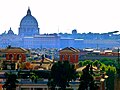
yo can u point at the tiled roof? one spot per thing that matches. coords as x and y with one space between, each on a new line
14 49
46 64
70 49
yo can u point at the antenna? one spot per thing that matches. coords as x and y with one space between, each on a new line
58 29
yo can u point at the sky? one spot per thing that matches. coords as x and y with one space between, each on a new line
55 16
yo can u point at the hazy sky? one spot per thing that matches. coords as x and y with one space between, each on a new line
98 16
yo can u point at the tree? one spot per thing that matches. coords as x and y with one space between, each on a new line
96 63
111 72
108 61
11 80
86 79
34 78
80 63
61 74
106 65
86 62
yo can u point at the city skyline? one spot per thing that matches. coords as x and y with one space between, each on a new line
57 16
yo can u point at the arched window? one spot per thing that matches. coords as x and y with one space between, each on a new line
10 57
18 56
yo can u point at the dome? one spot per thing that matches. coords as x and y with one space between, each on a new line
10 32
28 20
74 31
28 25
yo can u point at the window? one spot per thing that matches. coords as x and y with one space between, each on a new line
10 57
18 56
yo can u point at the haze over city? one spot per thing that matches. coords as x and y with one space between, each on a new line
54 16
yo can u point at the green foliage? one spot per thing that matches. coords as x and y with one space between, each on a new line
107 61
78 74
11 80
96 63
30 59
61 74
118 69
80 63
86 79
34 78
103 67
86 62
109 66
111 71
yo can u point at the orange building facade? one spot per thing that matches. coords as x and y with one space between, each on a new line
14 57
14 54
70 54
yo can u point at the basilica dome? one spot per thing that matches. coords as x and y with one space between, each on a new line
28 25
28 19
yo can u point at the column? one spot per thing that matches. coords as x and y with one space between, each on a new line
77 59
7 56
60 57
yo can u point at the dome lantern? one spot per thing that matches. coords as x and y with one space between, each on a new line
28 11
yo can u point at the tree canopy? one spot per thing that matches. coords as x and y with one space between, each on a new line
61 74
86 79
11 81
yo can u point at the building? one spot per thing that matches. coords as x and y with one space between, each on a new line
100 78
66 42
93 54
13 55
70 54
28 25
29 37
10 39
41 41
